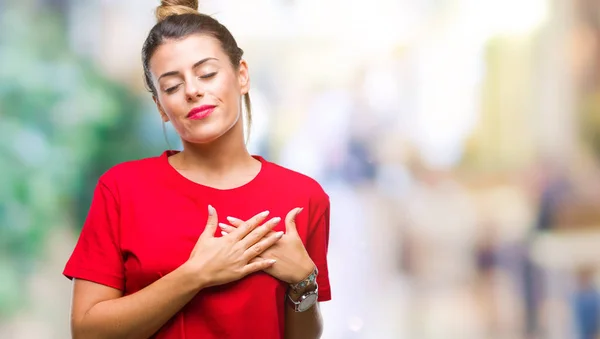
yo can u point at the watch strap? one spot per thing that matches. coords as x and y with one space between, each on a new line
311 279
298 303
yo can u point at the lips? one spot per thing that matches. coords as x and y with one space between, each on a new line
201 112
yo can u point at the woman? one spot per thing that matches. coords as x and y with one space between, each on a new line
147 265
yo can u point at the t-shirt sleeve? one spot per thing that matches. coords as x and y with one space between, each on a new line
97 255
317 245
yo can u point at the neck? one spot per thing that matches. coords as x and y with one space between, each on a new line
224 154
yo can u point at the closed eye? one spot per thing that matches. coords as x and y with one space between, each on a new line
209 75
205 76
171 89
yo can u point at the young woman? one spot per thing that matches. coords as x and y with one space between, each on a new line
208 242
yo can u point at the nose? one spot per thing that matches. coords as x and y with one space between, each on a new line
193 89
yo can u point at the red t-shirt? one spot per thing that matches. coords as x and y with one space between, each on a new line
145 218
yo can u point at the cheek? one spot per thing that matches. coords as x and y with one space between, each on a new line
173 108
225 90
166 101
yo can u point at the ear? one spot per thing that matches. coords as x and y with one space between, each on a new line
163 115
244 77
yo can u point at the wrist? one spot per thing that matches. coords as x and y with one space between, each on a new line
302 300
295 294
303 273
307 284
195 275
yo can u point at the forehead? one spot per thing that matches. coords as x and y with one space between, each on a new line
178 54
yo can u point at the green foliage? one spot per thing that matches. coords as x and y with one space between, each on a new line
62 123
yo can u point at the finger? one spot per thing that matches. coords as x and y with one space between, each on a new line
261 246
290 221
235 221
256 259
248 226
226 228
258 265
211 223
258 233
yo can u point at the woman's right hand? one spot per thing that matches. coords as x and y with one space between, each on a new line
219 260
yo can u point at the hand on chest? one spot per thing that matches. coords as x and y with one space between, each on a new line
158 239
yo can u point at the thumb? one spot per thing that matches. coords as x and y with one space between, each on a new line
290 221
211 223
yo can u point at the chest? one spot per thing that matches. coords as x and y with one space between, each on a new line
160 230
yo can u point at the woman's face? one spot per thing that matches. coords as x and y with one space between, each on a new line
197 88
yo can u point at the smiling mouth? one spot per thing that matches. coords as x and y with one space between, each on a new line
201 112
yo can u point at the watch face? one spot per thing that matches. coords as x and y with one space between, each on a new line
308 302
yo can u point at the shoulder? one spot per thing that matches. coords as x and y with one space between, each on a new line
299 183
131 172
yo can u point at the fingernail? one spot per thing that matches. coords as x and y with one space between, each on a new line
264 214
276 220
278 235
211 210
222 225
223 233
300 210
232 219
272 261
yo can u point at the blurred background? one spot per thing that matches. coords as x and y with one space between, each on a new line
459 141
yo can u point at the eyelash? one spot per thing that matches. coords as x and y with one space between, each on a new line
206 76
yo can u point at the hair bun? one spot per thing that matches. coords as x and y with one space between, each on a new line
175 7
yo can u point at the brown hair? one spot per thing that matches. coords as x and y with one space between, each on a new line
178 19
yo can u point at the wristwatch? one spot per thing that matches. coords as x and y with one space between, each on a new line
306 301
308 298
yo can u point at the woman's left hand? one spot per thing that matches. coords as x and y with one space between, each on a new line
293 262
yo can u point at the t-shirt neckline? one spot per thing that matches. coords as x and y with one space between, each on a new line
180 180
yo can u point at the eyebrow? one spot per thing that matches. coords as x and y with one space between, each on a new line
195 65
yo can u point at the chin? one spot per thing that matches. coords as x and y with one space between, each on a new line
204 136
207 132
201 139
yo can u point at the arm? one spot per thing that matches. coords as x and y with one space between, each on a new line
309 324
303 325
100 311
293 265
